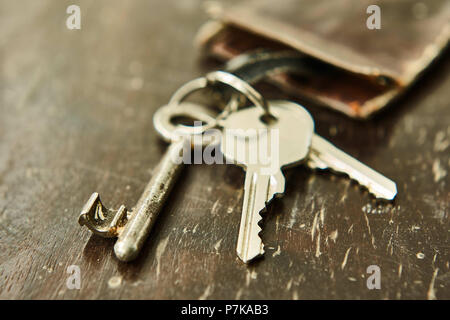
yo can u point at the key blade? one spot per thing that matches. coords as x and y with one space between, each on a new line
324 155
250 245
259 190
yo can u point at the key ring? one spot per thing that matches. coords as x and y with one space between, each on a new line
224 78
176 107
170 131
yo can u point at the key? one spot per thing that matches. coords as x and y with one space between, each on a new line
133 227
246 135
297 142
323 155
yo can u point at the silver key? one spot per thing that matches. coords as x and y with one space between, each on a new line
133 227
297 142
246 135
324 155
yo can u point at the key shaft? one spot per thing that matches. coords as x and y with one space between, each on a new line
324 155
249 245
146 211
133 227
259 190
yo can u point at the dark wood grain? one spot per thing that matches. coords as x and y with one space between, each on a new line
75 117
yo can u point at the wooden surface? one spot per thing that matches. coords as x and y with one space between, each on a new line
76 112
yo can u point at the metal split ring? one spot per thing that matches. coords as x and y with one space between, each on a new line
162 119
225 78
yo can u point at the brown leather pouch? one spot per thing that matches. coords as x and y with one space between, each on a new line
360 70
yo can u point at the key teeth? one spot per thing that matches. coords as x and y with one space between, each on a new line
261 252
101 220
324 156
387 195
261 249
276 192
248 252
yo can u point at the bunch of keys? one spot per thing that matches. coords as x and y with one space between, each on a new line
290 123
132 227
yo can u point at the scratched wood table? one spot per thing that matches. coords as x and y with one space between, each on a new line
76 117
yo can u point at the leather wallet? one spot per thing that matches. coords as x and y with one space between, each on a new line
352 69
